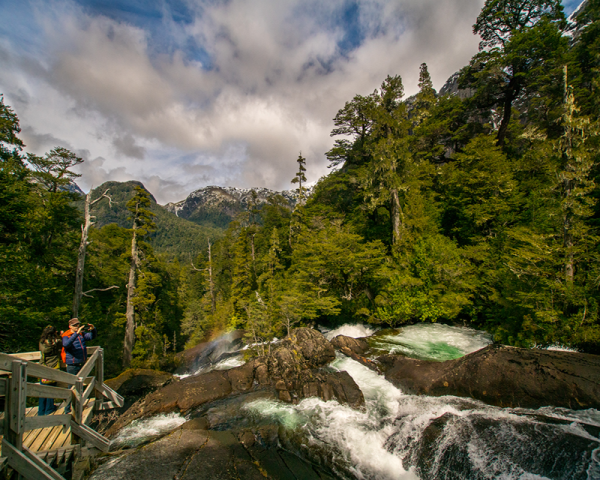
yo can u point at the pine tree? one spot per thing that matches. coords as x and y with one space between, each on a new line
425 99
300 177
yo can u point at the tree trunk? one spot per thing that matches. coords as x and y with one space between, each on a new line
568 240
210 280
85 228
130 313
509 98
396 216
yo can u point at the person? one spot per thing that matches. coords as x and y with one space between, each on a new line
73 342
50 347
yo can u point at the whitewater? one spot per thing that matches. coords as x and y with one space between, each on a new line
401 436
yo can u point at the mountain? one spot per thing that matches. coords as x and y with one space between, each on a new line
217 206
174 235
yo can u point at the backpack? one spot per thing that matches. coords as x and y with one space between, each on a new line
63 353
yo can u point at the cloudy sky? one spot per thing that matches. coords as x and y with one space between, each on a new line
182 94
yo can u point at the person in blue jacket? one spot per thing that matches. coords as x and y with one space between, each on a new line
73 341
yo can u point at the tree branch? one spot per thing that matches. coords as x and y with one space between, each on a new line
85 294
104 195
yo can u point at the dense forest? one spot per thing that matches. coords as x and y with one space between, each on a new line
478 207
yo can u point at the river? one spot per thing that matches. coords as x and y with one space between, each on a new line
400 436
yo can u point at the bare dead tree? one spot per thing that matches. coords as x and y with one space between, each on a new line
211 284
85 229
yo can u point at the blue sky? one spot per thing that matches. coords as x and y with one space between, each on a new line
181 94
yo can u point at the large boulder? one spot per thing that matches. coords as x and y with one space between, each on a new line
504 376
192 451
137 382
359 346
294 370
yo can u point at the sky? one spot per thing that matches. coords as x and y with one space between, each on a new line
182 94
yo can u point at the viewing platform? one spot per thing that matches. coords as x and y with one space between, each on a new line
45 447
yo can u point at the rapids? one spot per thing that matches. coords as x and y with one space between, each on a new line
431 341
401 436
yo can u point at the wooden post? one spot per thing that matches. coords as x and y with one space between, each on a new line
99 379
16 404
77 408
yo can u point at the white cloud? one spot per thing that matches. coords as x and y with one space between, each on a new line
276 80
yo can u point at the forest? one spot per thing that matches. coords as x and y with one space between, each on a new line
478 207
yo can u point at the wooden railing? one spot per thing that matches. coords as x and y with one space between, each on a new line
16 388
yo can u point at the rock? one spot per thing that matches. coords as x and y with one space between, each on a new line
178 396
191 451
357 345
294 370
355 348
504 376
303 348
139 381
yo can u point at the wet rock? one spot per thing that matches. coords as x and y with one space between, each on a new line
294 370
359 346
355 348
178 396
504 376
241 378
191 451
138 381
303 349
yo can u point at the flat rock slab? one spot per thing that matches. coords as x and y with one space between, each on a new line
504 376
194 453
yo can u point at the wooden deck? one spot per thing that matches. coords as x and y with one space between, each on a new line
52 438
44 447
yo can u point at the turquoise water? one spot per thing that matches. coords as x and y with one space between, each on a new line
429 341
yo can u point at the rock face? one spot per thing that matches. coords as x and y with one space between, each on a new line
294 370
505 377
191 451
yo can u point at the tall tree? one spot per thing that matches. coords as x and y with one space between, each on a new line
85 229
53 169
511 49
143 223
300 177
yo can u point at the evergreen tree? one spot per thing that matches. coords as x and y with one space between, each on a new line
518 38
300 177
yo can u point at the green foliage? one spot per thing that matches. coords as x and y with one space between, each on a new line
480 208
174 236
435 281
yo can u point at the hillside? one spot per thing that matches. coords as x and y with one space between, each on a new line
174 235
217 206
